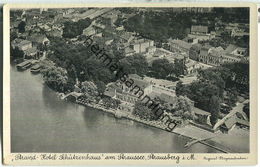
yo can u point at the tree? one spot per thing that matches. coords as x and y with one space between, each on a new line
55 77
214 108
135 64
89 88
181 89
108 102
21 27
183 108
214 78
79 61
200 92
232 97
228 76
142 111
73 29
16 53
101 86
159 26
246 109
161 68
238 76
179 67
195 51
13 35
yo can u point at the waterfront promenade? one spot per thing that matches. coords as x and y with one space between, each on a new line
190 131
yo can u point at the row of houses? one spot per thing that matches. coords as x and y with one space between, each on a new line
150 89
75 15
131 44
197 33
206 54
30 46
216 56
143 87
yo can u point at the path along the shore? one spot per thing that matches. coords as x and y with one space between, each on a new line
217 140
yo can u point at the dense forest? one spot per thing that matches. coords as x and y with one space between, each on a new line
81 63
225 82
161 26
73 29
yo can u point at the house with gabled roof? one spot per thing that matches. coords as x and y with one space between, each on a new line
31 53
38 39
21 44
179 46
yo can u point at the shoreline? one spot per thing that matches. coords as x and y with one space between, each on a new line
153 124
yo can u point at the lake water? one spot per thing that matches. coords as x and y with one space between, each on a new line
41 122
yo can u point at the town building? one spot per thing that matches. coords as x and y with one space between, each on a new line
129 51
203 117
125 37
89 31
110 18
233 121
44 27
43 10
31 53
197 10
151 87
236 32
141 45
55 33
154 53
68 12
217 56
201 33
198 29
180 46
75 15
21 44
235 50
38 39
125 94
192 67
195 51
15 24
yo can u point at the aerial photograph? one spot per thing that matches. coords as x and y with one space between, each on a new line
130 80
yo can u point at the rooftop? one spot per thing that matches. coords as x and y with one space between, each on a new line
20 42
168 98
200 112
139 81
138 41
129 50
206 47
37 38
219 51
200 29
191 63
231 48
230 122
30 50
181 43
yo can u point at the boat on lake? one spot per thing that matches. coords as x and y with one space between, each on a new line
36 68
24 65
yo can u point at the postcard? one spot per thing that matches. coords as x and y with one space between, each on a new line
130 84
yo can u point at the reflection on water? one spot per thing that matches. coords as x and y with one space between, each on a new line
41 122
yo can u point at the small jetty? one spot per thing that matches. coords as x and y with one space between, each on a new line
24 65
190 143
119 114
